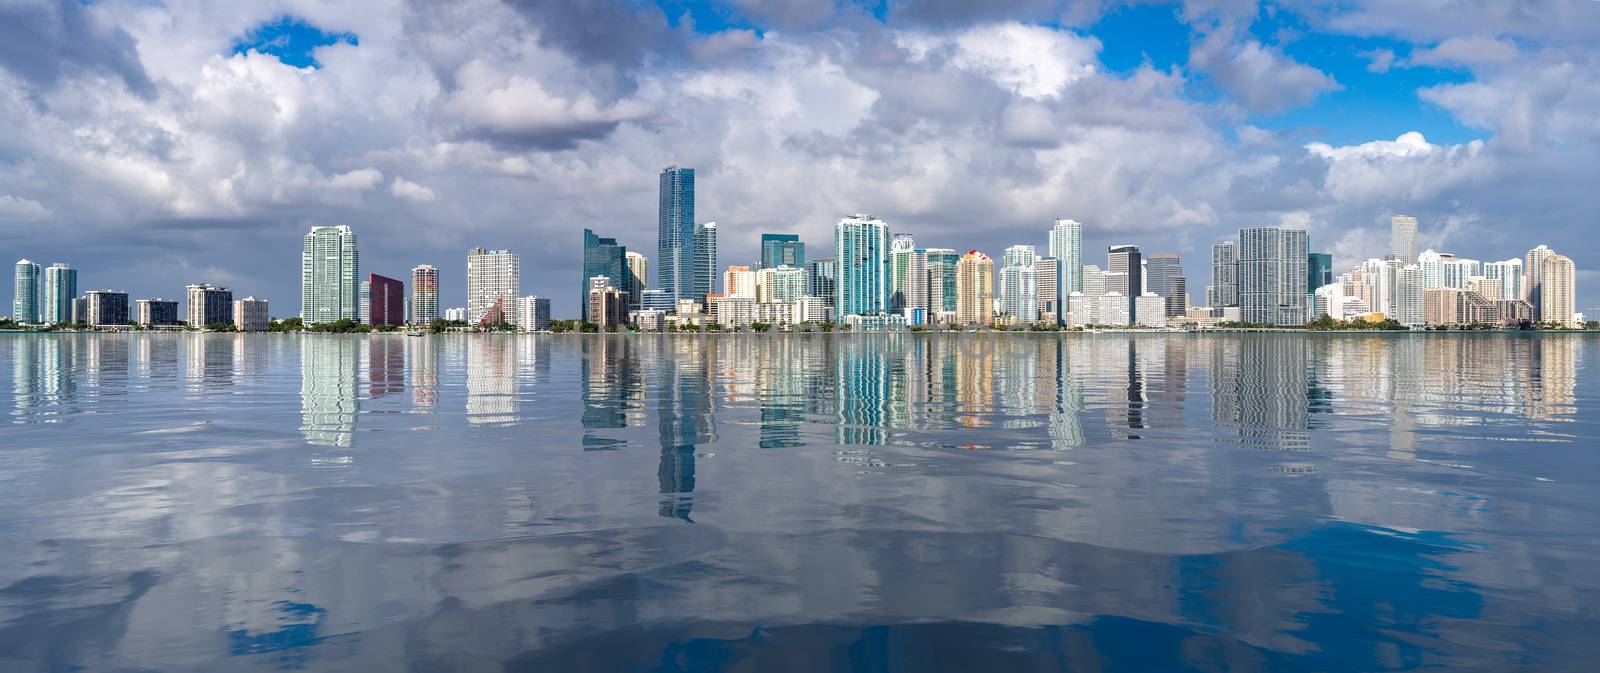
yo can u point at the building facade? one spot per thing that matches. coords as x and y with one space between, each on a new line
386 301
494 279
107 308
207 304
1066 246
780 284
861 252
636 278
705 260
329 276
1272 276
782 250
155 312
1163 277
250 315
975 289
1403 238
675 233
424 294
1557 292
1047 285
533 313
1224 288
602 256
25 293
822 276
1019 283
941 279
60 288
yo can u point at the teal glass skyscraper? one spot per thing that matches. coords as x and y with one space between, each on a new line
1319 270
601 257
782 250
861 251
675 234
25 293
329 276
60 288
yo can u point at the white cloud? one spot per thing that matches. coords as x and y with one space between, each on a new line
1260 77
1031 61
411 191
360 180
1405 169
1378 60
1471 51
16 208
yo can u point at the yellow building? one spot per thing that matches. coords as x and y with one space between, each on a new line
974 289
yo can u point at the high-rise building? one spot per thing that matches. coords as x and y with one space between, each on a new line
1410 296
60 288
494 280
821 275
1048 284
739 281
607 305
782 250
1319 270
1533 282
602 256
705 265
1163 277
329 276
533 314
974 289
1066 246
636 278
1272 276
1432 264
780 284
207 305
941 279
1458 272
152 312
914 288
107 308
1224 288
1094 282
1557 292
1125 274
675 233
1403 238
250 314
387 301
1019 283
900 248
424 294
861 251
25 293
1509 274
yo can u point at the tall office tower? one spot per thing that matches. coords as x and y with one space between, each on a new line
1224 288
424 294
705 266
1019 284
974 289
1403 238
861 250
1046 272
156 311
1164 278
1557 292
60 288
250 315
107 308
1533 282
739 281
782 250
941 279
1272 276
494 281
1409 296
1319 270
900 248
1125 274
601 257
1094 282
821 275
25 297
1066 246
914 289
208 305
329 276
780 284
387 303
636 280
675 229
1509 274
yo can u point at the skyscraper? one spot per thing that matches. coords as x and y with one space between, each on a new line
1533 285
705 261
601 257
494 280
821 276
974 289
25 293
914 289
208 305
637 280
1224 288
424 294
60 288
782 250
1019 297
941 279
1409 296
1403 238
1066 245
1125 274
329 276
861 251
150 312
250 315
1508 273
1319 270
900 248
387 301
1272 276
1557 296
107 308
1094 282
675 233
1164 278
1046 272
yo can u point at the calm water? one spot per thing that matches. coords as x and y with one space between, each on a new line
799 503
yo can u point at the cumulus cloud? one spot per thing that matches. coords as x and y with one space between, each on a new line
361 179
411 191
1470 51
1405 169
1260 77
519 111
43 42
16 208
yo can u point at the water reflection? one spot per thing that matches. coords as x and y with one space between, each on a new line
818 502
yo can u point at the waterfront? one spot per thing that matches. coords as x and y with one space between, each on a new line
868 502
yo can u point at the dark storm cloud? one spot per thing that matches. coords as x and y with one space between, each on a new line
43 41
614 32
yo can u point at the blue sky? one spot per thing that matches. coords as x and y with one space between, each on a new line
145 137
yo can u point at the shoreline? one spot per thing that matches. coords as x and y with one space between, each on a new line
1063 333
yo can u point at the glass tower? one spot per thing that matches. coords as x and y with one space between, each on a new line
675 233
782 250
1066 245
1319 270
1272 276
705 262
329 283
25 293
601 257
861 250
60 288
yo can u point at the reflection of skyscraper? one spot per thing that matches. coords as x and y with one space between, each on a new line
491 381
328 404
210 361
684 417
1254 380
422 362
863 392
607 380
42 378
386 366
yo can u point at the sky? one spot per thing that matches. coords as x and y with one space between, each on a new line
155 144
